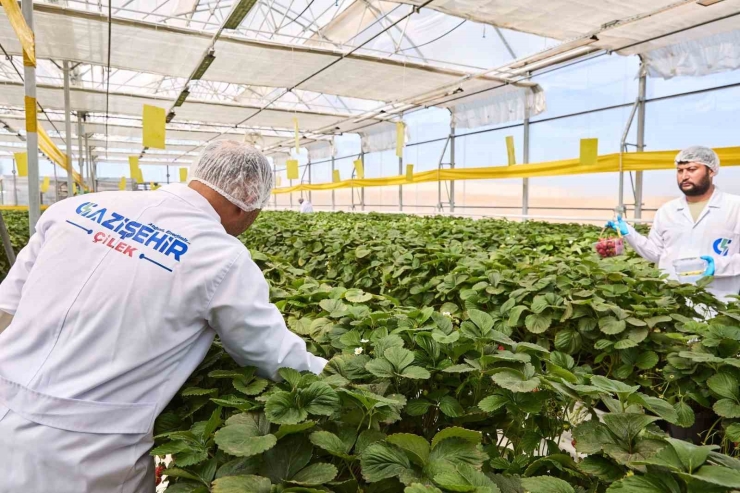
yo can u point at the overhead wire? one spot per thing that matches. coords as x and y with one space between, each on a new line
435 39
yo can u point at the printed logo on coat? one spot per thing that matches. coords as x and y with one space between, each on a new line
721 246
158 240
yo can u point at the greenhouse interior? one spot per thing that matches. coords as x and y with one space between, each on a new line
481 246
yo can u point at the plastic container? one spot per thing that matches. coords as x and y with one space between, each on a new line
690 270
609 247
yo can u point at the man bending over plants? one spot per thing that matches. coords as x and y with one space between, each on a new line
115 301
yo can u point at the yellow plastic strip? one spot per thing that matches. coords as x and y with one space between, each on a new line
278 181
22 30
589 151
31 122
122 183
133 167
359 169
183 175
21 163
50 149
19 207
510 149
45 184
409 172
335 178
400 138
154 120
635 161
292 169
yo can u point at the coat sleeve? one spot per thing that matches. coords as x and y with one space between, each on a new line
12 286
648 247
252 329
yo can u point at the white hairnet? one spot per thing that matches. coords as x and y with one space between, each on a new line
700 155
237 171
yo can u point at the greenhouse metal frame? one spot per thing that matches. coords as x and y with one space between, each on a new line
296 76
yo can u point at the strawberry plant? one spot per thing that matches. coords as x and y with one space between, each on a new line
465 356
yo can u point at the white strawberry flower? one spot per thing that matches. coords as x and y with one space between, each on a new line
364 341
358 351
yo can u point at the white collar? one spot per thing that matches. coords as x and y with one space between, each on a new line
192 197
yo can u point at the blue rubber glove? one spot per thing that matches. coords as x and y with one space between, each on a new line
710 265
619 225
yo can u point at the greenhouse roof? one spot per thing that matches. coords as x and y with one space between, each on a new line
319 61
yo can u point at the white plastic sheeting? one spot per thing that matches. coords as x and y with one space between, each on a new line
320 149
559 19
11 94
498 106
717 53
379 137
630 26
65 34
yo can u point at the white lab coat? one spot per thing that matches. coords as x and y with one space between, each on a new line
116 300
306 206
674 235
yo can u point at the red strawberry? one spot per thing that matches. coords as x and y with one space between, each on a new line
573 443
500 348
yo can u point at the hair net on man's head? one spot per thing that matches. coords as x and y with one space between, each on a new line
701 155
237 171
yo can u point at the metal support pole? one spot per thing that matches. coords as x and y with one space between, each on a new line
309 178
80 153
400 187
274 195
333 196
452 165
67 127
90 166
362 189
525 160
7 245
640 139
15 185
168 173
291 194
32 137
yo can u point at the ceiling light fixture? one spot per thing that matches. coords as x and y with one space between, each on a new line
238 13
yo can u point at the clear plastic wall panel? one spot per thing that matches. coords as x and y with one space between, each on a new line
597 83
482 148
380 165
708 119
658 88
560 139
427 124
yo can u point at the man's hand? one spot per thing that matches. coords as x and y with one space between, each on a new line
710 265
618 225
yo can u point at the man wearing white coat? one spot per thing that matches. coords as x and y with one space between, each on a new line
704 223
306 206
114 303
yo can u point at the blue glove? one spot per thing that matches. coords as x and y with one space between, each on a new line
710 265
619 225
